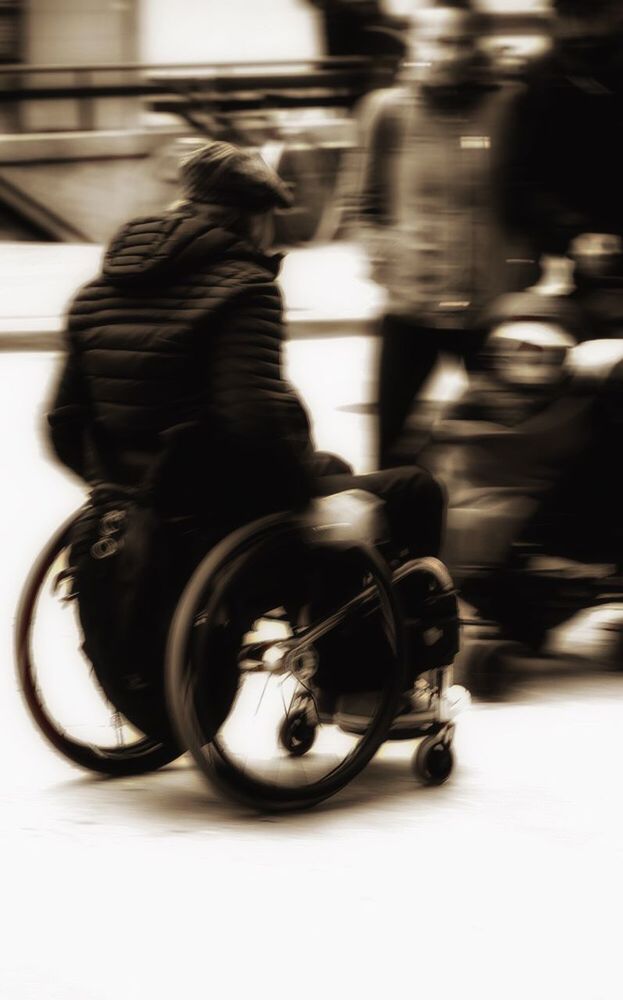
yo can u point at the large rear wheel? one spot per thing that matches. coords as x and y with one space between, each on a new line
59 685
260 643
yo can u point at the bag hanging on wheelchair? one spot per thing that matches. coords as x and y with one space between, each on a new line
119 568
131 555
128 568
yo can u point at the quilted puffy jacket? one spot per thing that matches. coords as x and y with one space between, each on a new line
174 363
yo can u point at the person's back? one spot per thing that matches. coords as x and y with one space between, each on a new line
175 363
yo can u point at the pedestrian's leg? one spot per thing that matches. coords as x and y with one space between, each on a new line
408 356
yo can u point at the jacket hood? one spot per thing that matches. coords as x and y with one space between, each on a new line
153 248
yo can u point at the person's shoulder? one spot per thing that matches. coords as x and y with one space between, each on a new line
383 103
241 276
143 235
238 294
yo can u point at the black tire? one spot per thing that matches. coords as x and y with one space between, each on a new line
296 734
142 755
433 761
217 585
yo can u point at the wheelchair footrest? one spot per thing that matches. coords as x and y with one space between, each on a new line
411 725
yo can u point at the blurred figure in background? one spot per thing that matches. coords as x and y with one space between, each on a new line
361 28
503 443
429 212
526 454
564 157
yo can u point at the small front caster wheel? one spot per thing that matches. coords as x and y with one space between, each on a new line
297 734
433 762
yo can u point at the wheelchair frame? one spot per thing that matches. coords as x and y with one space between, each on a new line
432 763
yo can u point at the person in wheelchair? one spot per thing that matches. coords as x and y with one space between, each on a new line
502 443
173 389
528 456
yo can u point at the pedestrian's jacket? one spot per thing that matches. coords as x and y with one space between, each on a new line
429 206
174 362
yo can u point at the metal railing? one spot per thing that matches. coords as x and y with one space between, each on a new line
225 87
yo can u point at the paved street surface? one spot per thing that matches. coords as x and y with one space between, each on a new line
505 883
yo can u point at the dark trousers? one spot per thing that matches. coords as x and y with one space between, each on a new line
356 657
414 505
409 353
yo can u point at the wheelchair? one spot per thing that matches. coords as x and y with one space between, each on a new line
277 621
526 565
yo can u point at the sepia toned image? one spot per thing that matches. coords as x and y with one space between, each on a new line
311 332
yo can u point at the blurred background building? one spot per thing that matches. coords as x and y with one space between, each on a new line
97 97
